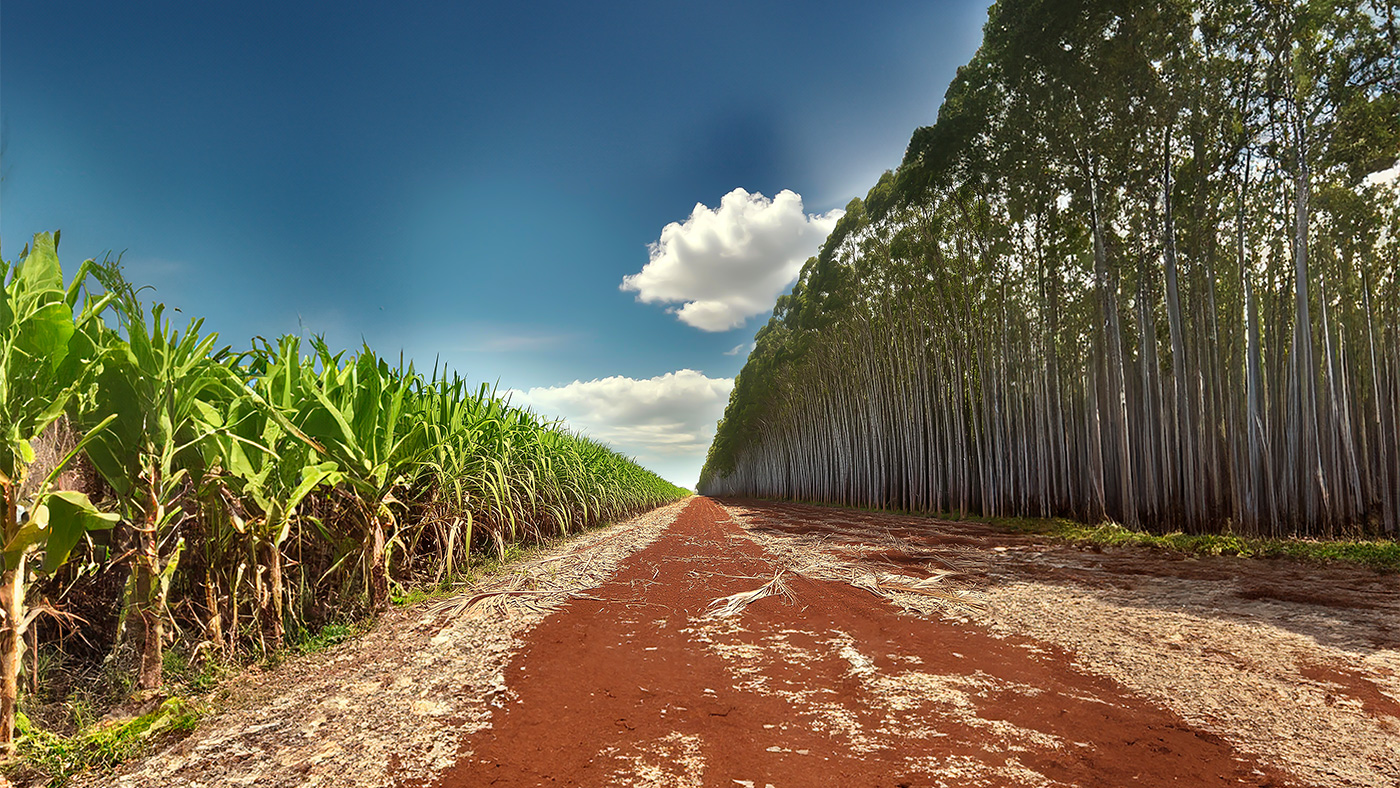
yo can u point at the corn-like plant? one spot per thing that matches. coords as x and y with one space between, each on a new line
264 468
295 475
158 382
45 358
355 413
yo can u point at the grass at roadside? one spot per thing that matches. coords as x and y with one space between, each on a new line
1379 555
57 758
482 566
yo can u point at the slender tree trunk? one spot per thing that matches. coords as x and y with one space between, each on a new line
213 629
1182 378
1119 462
1315 489
1383 438
273 610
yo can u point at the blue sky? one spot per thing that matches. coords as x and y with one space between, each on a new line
471 181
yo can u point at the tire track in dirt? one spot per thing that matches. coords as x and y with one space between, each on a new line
636 686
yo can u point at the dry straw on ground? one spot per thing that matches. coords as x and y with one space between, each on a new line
942 589
1243 669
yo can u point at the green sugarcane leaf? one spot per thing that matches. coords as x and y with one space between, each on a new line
314 476
44 333
71 516
39 271
115 452
167 572
58 467
26 451
328 424
7 313
84 356
31 532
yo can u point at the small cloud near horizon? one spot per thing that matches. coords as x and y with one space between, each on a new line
666 422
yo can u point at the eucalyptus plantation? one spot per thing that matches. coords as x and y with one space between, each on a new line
1141 268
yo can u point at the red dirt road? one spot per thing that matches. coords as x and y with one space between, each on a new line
833 686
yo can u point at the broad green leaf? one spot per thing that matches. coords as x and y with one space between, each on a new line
315 475
71 515
31 532
114 452
7 314
327 424
39 271
58 467
44 334
167 572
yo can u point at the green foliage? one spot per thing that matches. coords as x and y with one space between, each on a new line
161 385
1382 555
101 747
45 359
330 635
257 490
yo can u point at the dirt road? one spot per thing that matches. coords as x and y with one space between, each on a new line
888 651
828 682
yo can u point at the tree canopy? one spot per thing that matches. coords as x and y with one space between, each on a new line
1138 269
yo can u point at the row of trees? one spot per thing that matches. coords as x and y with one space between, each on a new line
250 491
1138 269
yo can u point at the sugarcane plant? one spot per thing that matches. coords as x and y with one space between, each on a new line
453 415
265 468
290 474
356 412
45 358
158 381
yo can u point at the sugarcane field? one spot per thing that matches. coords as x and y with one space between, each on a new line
954 394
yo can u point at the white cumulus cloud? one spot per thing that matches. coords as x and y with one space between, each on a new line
727 264
666 422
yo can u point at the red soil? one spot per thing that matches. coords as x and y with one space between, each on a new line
824 690
1349 684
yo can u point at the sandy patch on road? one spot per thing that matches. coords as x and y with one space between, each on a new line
1327 714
